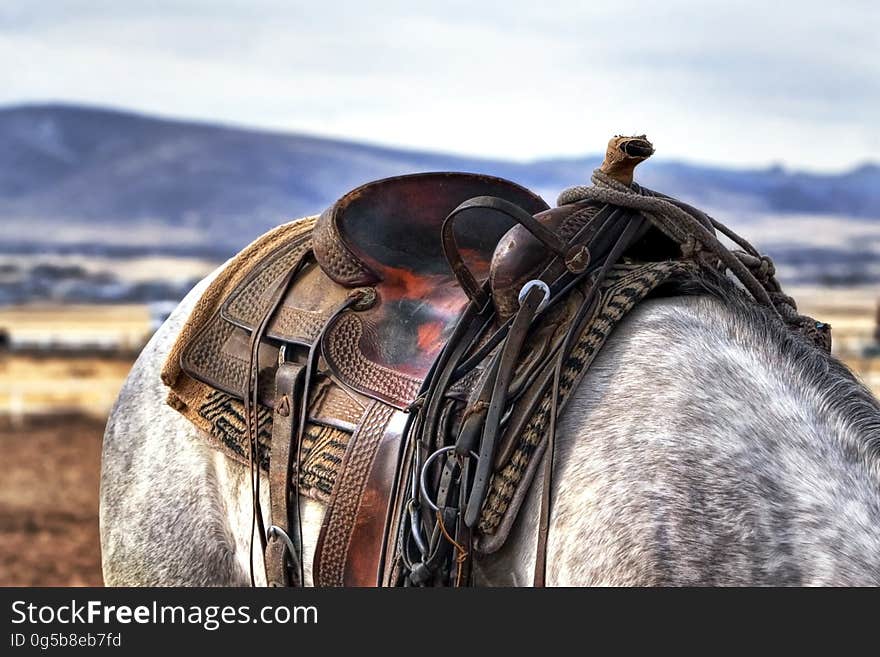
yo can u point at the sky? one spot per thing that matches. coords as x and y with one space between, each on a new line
732 83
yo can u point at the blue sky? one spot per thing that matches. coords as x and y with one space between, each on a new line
735 83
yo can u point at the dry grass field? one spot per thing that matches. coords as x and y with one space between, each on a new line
35 385
49 502
55 394
53 406
69 359
80 327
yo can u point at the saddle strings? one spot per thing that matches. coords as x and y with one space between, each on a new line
252 413
586 309
692 229
355 297
494 394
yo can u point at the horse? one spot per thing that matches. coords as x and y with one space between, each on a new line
706 445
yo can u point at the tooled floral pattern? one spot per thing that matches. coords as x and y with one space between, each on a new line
343 353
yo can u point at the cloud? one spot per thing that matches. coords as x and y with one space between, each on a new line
738 84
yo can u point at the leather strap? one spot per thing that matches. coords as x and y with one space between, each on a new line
282 567
627 237
463 274
498 402
352 539
251 399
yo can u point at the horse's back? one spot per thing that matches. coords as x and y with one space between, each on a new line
704 447
689 454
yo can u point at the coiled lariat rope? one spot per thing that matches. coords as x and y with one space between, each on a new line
693 230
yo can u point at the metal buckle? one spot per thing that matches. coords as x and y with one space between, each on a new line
282 354
276 531
527 287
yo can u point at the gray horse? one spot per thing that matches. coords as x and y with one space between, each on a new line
706 446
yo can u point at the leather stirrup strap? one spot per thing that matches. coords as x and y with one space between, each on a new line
340 560
251 412
282 567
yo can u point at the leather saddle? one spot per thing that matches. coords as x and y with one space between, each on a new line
383 239
379 246
413 318
372 296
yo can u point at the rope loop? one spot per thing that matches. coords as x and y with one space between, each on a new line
694 232
761 266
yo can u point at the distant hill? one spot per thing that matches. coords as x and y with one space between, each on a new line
95 178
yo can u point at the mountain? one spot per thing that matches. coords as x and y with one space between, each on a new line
86 175
117 178
85 191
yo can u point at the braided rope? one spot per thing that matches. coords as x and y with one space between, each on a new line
695 232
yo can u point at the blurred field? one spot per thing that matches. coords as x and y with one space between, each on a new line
70 359
60 372
35 385
49 502
852 313
55 393
79 328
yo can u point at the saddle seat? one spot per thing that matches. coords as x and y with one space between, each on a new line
385 235
382 237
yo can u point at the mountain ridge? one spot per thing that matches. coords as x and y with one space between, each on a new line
62 106
90 174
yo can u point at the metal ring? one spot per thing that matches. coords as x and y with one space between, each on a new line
274 531
423 484
528 288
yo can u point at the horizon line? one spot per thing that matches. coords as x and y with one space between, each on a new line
367 143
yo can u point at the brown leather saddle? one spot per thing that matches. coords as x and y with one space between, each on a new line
394 302
430 321
381 240
374 299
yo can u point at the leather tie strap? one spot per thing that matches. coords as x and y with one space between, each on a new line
282 567
251 404
498 401
627 237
